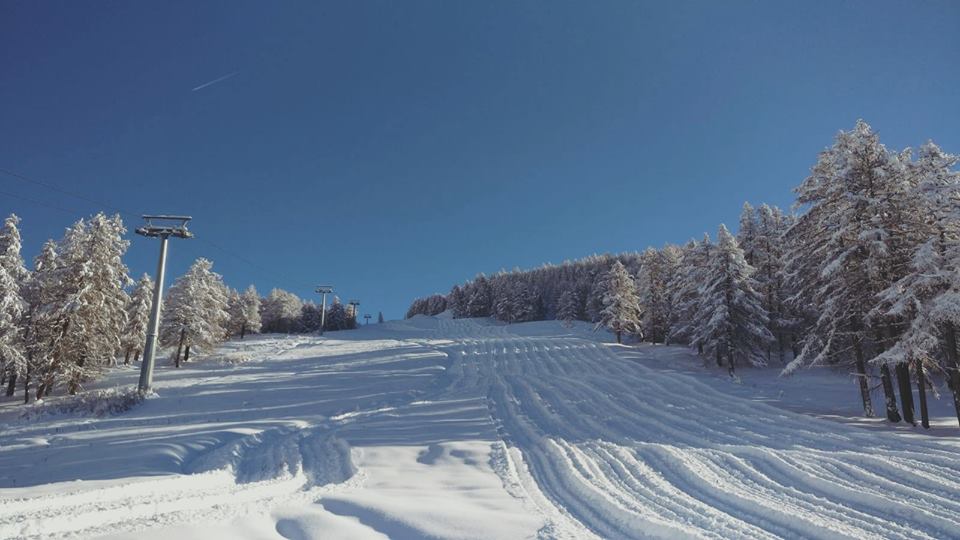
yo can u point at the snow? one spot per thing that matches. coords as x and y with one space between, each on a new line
464 428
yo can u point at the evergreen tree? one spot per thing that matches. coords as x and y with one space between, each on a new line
732 320
337 316
621 307
598 291
244 312
748 235
279 311
13 308
250 309
569 307
310 319
195 314
380 318
138 318
457 302
657 268
927 297
772 225
685 291
480 301
40 294
87 314
842 246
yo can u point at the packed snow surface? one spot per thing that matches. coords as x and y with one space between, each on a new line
443 428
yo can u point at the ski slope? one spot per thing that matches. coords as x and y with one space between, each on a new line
441 428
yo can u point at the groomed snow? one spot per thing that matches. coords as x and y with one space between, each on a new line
443 428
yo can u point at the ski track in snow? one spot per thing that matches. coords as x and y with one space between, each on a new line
592 442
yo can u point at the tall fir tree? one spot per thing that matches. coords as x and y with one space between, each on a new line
839 249
621 306
195 315
685 291
732 321
87 314
138 318
569 307
13 308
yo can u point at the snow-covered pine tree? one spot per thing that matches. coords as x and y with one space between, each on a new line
249 312
456 302
839 249
656 270
685 291
771 226
514 300
244 310
598 290
621 306
748 235
234 310
337 317
13 308
927 298
732 320
42 330
310 318
480 300
569 307
87 314
279 311
195 314
138 317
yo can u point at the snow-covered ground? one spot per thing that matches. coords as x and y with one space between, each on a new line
441 428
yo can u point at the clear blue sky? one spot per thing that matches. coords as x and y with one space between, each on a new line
395 148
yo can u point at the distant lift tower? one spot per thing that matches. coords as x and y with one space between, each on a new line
163 227
324 290
355 309
367 317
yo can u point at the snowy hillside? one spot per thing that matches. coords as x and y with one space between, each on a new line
462 428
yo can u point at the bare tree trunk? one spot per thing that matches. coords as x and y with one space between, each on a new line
186 355
243 330
44 388
137 357
862 376
893 414
183 335
12 384
953 367
126 357
906 392
922 387
26 388
74 386
890 397
618 336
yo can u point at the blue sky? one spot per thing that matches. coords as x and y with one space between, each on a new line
395 148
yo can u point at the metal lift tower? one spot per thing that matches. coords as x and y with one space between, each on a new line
162 227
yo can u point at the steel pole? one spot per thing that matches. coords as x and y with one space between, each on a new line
323 314
149 350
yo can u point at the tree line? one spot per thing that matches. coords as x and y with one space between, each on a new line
863 274
78 311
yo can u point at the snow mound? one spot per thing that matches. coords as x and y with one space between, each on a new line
280 453
99 403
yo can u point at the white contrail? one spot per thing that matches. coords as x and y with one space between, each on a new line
215 81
